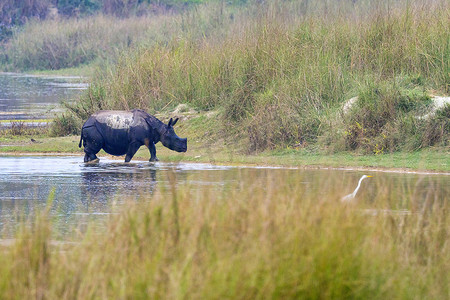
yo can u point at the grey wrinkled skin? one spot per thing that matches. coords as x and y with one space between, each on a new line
124 132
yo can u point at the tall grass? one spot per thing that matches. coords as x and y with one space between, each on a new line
64 43
56 44
275 238
282 73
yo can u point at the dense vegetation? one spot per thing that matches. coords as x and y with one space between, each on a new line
278 72
280 77
275 239
18 12
56 43
14 13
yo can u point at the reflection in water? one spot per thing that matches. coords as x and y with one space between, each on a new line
101 184
85 192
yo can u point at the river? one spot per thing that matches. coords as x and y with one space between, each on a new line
90 192
24 97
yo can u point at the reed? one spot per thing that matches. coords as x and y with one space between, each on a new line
275 238
280 73
277 71
66 43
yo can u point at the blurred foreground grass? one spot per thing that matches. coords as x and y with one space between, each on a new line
275 238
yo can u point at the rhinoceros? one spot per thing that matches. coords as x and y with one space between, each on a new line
124 132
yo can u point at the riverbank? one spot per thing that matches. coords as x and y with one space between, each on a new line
429 160
83 72
209 144
274 85
285 81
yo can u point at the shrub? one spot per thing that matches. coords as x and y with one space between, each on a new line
437 129
282 77
65 124
385 116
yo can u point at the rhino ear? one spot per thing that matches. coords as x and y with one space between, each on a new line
175 122
170 122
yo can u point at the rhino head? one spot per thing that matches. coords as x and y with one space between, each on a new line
170 140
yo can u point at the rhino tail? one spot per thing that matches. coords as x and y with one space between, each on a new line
81 138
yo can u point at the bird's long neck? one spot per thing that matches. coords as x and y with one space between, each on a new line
357 188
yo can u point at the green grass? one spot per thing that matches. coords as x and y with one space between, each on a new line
280 78
81 71
69 43
435 160
43 144
72 43
275 78
207 145
276 75
275 238
27 121
278 72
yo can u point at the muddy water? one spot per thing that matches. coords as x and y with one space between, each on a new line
88 192
35 97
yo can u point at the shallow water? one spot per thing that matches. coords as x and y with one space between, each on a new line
25 96
85 192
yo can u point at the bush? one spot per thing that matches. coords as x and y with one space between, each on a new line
65 124
385 117
282 77
437 129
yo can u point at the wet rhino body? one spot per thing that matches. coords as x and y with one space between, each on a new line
124 132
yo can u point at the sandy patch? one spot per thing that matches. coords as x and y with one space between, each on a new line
439 102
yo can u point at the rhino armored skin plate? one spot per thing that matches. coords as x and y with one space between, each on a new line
124 132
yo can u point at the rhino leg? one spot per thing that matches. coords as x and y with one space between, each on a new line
132 149
89 157
93 143
152 149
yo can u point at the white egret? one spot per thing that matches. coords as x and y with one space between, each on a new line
351 196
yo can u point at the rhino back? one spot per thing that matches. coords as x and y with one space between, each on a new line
114 126
114 119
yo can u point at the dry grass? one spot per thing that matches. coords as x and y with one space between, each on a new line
275 238
57 44
279 77
278 71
